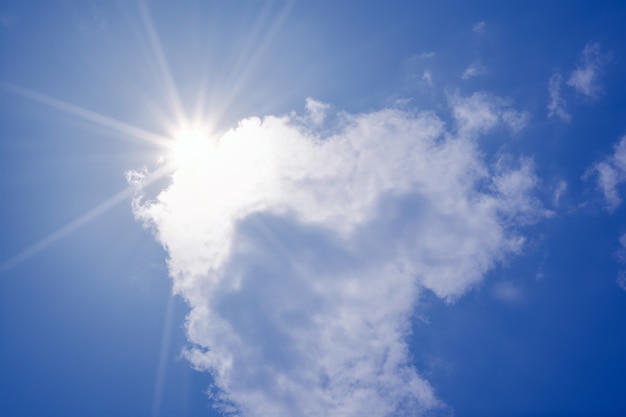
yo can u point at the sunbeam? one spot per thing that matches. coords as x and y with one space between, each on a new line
129 130
170 85
75 224
248 61
82 220
164 351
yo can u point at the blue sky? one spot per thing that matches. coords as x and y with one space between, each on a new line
312 208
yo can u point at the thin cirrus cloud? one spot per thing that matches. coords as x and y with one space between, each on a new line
610 176
302 255
507 292
481 112
418 72
479 27
475 69
584 78
611 173
559 191
557 104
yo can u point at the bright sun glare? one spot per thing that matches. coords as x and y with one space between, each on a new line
190 147
233 169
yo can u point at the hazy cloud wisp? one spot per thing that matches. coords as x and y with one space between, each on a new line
557 104
479 27
584 79
475 69
611 173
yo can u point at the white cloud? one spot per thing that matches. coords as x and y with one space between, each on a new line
427 77
515 186
611 174
621 254
585 77
425 55
474 70
316 111
515 120
301 257
479 27
557 104
481 112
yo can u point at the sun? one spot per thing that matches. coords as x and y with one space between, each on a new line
190 147
234 169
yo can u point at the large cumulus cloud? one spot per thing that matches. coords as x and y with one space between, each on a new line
301 248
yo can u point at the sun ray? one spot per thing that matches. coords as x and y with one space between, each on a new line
157 49
67 229
166 341
199 108
248 61
80 221
127 129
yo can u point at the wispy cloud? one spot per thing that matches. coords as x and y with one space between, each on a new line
302 256
418 72
474 70
557 104
621 280
479 27
611 173
425 55
559 191
507 292
427 77
316 111
481 112
585 77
